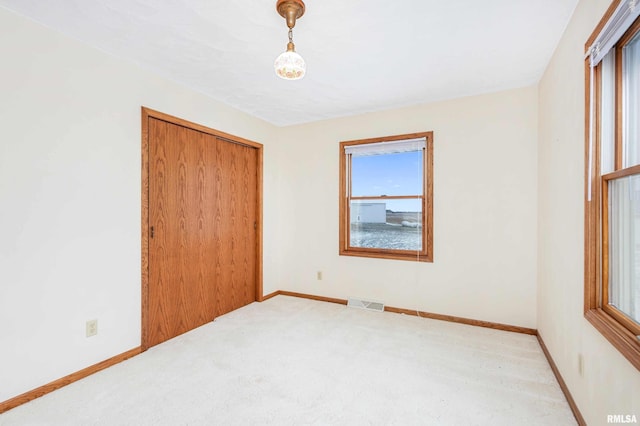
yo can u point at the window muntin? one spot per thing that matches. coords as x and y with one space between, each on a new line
385 201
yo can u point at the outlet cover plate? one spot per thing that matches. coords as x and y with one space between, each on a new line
92 327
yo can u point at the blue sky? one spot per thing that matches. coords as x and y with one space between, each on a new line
389 174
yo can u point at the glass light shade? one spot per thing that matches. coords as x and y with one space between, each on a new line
290 66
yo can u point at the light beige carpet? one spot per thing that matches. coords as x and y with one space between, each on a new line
291 361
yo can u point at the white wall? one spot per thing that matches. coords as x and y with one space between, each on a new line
610 384
485 207
70 194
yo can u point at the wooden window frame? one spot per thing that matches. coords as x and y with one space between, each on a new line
620 330
426 254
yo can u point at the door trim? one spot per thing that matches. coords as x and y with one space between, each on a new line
148 113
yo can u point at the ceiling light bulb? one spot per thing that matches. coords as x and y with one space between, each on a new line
290 66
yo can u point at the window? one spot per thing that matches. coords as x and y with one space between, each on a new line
386 207
612 206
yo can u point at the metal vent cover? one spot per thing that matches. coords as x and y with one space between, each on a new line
365 304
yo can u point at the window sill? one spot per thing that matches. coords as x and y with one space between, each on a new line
410 256
621 338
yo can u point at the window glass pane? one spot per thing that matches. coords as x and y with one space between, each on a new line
388 224
387 174
624 245
631 72
607 112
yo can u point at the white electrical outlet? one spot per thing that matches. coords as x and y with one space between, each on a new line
92 327
319 275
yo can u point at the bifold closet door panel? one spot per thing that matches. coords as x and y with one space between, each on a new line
235 226
182 244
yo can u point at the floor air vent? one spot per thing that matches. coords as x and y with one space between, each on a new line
364 304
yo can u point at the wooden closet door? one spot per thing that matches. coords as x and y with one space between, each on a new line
202 213
182 243
235 225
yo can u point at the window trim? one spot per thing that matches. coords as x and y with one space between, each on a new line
615 326
426 254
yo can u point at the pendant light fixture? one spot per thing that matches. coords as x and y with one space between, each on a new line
289 65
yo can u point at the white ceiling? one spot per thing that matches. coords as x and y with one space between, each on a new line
362 55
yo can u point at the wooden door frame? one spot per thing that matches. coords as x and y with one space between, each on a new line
148 113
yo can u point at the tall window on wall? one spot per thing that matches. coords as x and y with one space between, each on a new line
612 238
386 187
